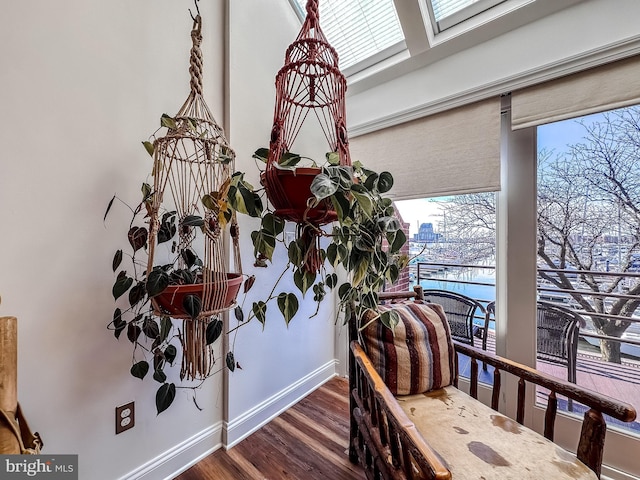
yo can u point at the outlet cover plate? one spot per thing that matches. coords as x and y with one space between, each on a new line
125 417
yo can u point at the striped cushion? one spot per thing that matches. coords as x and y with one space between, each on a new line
417 356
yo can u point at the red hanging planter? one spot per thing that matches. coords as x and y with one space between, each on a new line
223 296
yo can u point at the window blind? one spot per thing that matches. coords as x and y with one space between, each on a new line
606 87
451 152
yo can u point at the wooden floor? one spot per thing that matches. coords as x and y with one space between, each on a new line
307 442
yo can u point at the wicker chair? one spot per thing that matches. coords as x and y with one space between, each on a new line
558 329
461 311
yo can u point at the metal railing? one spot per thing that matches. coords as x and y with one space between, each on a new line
434 271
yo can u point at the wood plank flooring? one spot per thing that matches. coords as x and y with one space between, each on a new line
307 442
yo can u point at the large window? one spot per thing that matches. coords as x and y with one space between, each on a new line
362 31
447 13
589 252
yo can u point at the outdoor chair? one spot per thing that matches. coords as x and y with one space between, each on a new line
558 329
461 312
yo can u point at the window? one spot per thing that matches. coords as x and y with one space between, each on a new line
362 31
447 13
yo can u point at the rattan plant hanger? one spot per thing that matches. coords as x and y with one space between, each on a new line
193 163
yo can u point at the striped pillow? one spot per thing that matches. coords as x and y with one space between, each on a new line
417 356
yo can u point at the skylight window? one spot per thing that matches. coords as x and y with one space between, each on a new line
447 13
362 31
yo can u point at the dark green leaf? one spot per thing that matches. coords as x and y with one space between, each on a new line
332 254
140 369
303 280
399 241
239 313
189 257
121 285
209 202
165 328
192 304
146 191
248 283
118 323
370 182
332 280
231 362
170 353
164 397
117 260
263 243
192 221
261 154
333 158
259 309
295 253
345 291
157 281
133 332
136 294
108 207
159 376
137 237
288 305
289 159
150 328
148 146
214 330
385 182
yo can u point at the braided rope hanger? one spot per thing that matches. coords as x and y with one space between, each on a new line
309 81
191 161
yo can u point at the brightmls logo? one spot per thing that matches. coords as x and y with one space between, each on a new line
50 467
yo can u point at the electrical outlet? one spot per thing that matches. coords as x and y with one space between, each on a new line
125 417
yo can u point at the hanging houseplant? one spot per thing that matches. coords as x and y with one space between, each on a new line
367 238
179 288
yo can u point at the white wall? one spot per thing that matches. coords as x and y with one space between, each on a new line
279 364
83 82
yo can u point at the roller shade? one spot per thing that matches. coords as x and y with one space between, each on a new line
606 87
452 152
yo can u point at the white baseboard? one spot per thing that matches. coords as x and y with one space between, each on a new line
247 423
609 473
176 460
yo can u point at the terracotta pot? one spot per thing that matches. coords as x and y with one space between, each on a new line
290 194
170 300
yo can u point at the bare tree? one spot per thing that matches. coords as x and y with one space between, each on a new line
588 199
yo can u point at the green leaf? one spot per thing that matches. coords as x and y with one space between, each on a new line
303 280
323 186
167 121
189 257
333 158
364 200
165 328
272 224
231 361
209 202
239 313
192 304
170 353
332 254
192 221
345 291
159 376
341 205
248 283
117 260
164 397
140 369
146 191
214 330
148 146
295 253
289 159
122 284
150 328
259 310
332 280
136 294
390 319
385 182
263 243
288 305
118 323
157 281
360 271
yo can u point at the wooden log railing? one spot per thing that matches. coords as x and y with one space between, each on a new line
591 445
9 443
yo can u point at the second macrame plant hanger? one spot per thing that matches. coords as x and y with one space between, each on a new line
191 161
309 81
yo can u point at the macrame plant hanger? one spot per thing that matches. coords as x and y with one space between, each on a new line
309 81
191 161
